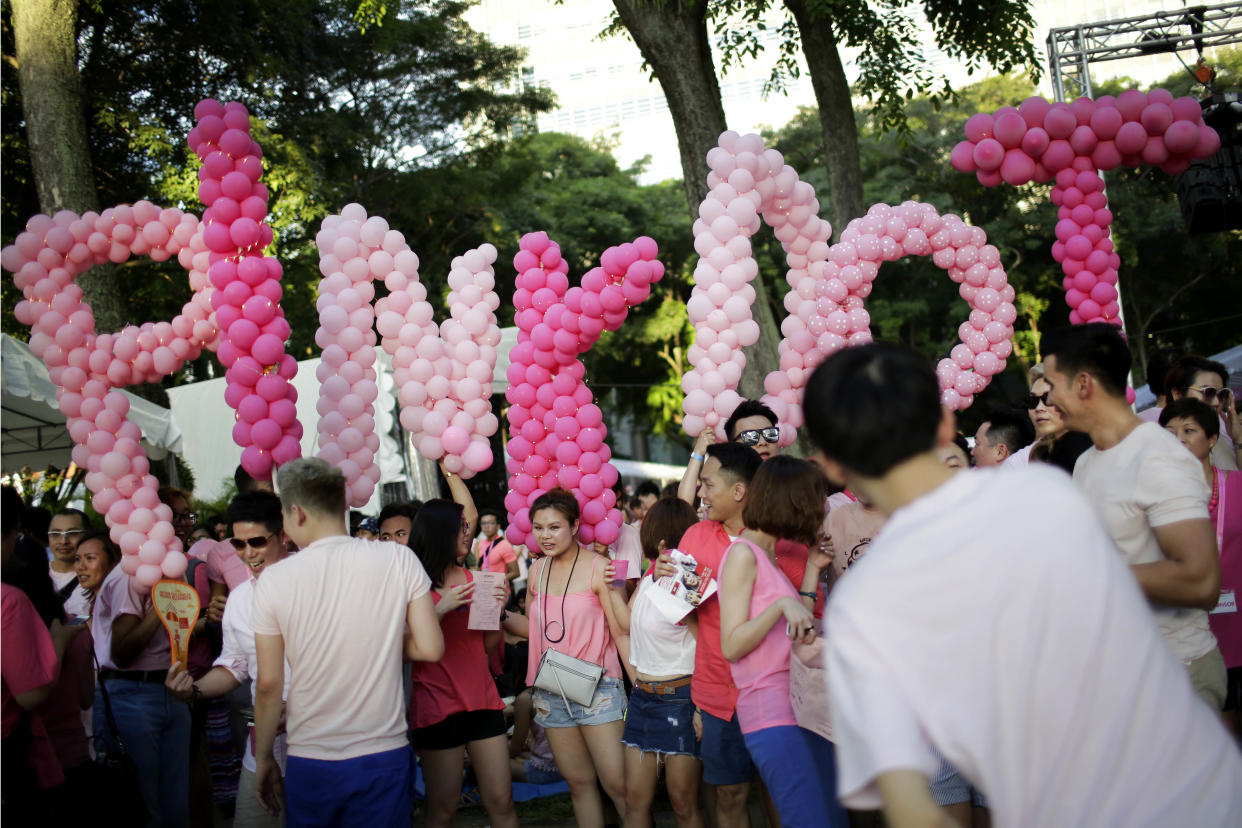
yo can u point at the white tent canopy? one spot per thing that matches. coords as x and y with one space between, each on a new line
34 432
209 450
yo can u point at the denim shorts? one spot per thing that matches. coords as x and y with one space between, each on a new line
608 706
725 758
535 775
661 724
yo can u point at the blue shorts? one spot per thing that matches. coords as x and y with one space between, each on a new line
608 706
799 769
725 758
376 789
661 723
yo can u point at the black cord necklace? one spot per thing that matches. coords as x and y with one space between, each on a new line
543 594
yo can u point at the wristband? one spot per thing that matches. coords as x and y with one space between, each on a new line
698 457
810 595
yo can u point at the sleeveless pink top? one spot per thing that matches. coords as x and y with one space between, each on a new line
762 675
586 633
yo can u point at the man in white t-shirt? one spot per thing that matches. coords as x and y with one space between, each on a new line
993 619
64 533
1148 490
343 612
254 518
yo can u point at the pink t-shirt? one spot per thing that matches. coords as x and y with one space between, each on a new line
223 565
852 527
762 675
27 662
341 605
586 627
1227 521
495 555
460 681
62 712
119 595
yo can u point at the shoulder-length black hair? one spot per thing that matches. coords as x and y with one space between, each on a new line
433 536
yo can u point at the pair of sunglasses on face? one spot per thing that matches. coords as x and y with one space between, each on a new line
752 437
1210 393
1033 401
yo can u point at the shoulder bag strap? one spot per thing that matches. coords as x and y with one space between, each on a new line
103 689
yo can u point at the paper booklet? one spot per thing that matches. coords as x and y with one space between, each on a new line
676 595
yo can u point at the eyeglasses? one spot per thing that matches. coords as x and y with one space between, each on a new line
754 435
185 517
254 543
1033 401
68 534
1211 392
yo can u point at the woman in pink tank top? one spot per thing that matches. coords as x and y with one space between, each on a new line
454 706
571 611
784 501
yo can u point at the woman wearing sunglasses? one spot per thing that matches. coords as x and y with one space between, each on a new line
1207 380
1054 443
454 707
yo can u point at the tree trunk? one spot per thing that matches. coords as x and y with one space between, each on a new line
672 37
836 115
45 37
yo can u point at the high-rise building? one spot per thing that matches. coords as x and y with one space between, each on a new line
603 89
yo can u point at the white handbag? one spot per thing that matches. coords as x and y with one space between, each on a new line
574 679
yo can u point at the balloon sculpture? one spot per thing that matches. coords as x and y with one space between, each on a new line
240 295
247 298
557 431
828 285
444 373
1070 144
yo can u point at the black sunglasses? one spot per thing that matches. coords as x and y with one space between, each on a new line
1033 400
254 543
752 437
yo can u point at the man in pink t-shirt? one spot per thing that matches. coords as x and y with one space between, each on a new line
492 551
343 611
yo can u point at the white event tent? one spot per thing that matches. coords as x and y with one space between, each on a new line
34 432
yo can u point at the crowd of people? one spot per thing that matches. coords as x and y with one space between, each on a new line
1040 628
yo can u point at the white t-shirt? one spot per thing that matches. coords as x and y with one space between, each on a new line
1020 457
77 604
1149 479
341 606
658 647
994 619
238 657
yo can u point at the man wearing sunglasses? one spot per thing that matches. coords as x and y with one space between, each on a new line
66 530
1149 491
752 424
258 539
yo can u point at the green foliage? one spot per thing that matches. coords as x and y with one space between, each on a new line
892 68
341 108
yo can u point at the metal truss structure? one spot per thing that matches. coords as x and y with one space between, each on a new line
1071 49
